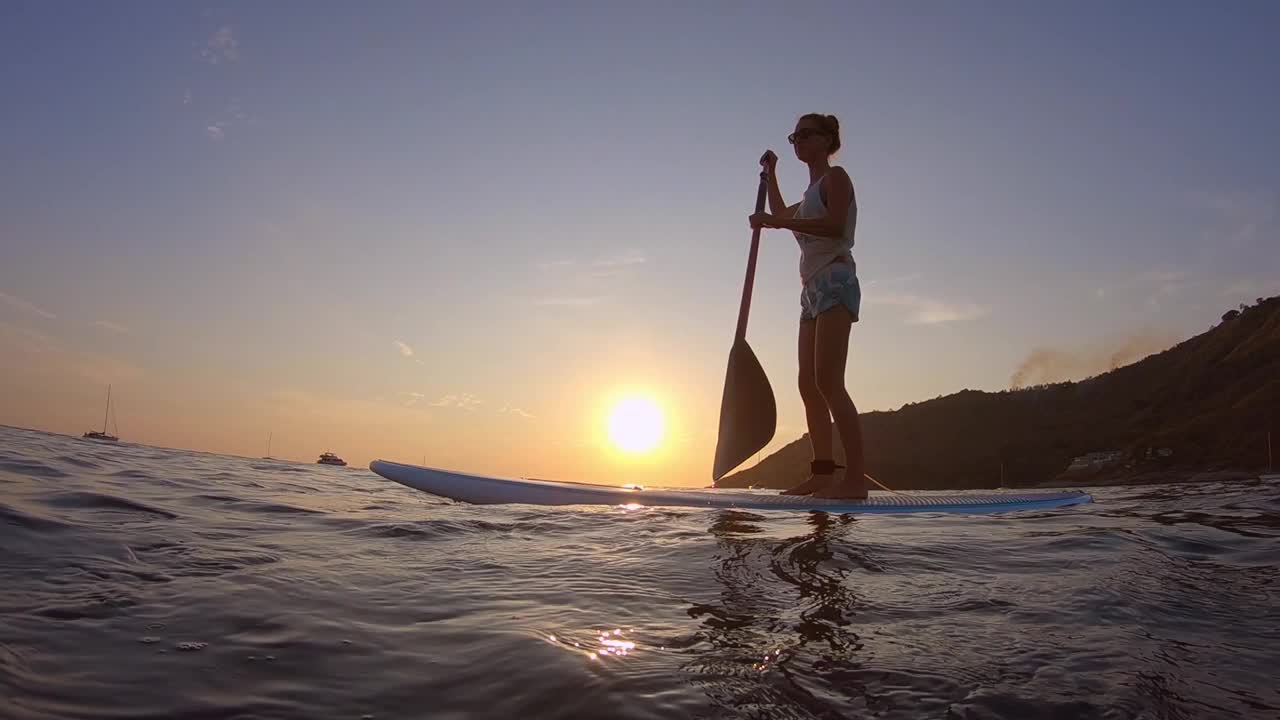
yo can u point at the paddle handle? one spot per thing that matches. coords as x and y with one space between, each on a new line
745 308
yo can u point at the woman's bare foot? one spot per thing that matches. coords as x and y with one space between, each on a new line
821 474
844 487
810 486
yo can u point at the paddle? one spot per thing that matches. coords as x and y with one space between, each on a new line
748 415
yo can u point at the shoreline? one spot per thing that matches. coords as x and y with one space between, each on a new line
1177 476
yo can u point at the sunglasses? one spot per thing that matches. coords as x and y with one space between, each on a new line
803 134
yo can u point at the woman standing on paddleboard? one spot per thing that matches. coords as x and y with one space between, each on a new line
823 223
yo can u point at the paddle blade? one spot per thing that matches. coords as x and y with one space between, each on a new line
748 415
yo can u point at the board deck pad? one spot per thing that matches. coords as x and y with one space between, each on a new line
485 490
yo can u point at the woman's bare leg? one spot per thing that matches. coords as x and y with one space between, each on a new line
815 410
831 350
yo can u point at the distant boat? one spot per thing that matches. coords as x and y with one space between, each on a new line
330 459
268 455
1270 475
104 435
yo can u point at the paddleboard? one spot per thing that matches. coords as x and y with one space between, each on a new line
485 490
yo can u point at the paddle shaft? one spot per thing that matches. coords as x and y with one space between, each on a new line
745 308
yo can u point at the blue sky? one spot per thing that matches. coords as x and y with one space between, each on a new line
248 212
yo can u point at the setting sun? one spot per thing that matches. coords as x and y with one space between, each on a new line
635 425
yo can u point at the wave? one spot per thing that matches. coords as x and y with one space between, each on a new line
86 500
429 529
31 468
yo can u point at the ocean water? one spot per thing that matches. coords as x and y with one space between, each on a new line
138 582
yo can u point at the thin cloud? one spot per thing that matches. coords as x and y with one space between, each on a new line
603 267
1163 284
608 272
566 283
24 339
464 401
922 309
1152 286
516 411
899 280
221 47
617 265
334 410
25 306
553 264
413 398
630 257
569 301
36 349
101 369
1165 280
232 115
406 351
930 311
108 325
234 112
586 283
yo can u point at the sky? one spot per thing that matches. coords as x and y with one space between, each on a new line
460 233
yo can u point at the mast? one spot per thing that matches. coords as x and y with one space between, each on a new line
107 411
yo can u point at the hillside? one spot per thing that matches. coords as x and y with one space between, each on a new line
1207 402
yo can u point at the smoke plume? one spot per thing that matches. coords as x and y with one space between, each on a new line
1050 365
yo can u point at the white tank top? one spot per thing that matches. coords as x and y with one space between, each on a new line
817 252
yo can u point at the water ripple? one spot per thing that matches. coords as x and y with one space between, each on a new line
86 500
148 582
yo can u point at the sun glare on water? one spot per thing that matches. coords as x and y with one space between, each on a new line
635 425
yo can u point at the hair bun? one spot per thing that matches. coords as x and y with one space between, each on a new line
829 124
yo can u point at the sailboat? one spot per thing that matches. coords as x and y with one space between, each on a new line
104 436
268 455
1270 475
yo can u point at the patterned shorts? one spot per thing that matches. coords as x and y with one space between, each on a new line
835 284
